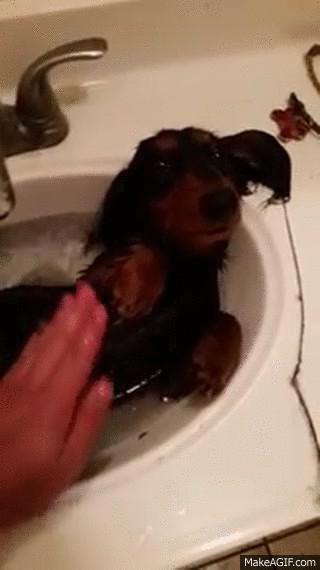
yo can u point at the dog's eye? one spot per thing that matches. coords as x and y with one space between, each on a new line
215 153
164 164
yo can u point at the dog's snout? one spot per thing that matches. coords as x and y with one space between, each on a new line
216 206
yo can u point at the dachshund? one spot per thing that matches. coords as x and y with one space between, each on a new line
164 226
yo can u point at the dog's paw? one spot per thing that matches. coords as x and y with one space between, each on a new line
216 356
212 363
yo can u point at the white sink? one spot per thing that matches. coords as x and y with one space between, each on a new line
201 480
42 240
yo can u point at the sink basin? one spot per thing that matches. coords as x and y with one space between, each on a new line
41 243
175 485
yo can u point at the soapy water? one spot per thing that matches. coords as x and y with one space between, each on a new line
49 250
45 251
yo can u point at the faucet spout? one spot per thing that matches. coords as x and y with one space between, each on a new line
7 196
36 106
36 120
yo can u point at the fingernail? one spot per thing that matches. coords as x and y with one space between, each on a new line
84 292
104 390
89 338
66 302
64 308
100 315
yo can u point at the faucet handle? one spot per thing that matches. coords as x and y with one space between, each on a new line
36 105
7 196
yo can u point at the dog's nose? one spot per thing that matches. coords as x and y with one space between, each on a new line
218 205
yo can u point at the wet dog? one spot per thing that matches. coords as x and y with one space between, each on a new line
164 226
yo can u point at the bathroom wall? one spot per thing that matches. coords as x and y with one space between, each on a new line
145 33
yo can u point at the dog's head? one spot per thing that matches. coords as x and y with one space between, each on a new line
182 187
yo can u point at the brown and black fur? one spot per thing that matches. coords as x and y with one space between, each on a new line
165 225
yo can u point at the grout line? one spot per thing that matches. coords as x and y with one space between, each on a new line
296 530
298 391
267 546
296 372
265 541
242 549
294 381
229 555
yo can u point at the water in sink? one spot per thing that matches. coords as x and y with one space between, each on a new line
45 251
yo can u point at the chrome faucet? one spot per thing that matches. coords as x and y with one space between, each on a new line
36 120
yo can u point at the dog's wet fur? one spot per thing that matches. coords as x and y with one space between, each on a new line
164 225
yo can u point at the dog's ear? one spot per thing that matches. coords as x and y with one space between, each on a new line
117 220
258 157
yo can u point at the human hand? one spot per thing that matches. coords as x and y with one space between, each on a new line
49 417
